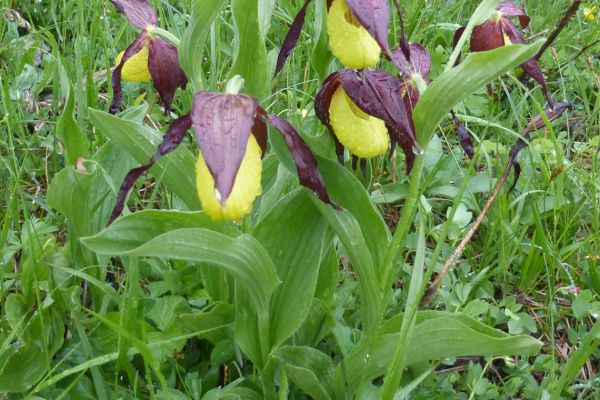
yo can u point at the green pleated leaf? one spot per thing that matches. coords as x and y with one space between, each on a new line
437 335
193 41
295 236
175 171
243 257
25 361
310 369
321 56
360 228
453 86
346 190
134 230
73 139
250 52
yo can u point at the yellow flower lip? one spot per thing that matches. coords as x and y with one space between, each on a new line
590 13
246 187
363 135
348 40
135 68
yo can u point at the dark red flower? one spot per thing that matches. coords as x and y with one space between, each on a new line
163 58
231 134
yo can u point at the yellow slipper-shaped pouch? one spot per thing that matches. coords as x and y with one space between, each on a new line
363 135
348 40
135 68
245 188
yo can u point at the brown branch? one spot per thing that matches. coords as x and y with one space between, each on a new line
432 289
561 25
537 122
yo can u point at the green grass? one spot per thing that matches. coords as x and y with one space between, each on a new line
78 324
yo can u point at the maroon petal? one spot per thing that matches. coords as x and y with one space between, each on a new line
171 140
323 99
418 63
140 41
487 36
292 38
167 75
306 165
374 16
509 9
536 123
457 35
552 113
138 12
464 137
379 94
223 123
404 46
531 66
259 130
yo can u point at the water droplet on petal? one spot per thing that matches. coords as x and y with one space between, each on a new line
417 150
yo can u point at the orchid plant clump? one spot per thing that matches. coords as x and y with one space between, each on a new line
278 251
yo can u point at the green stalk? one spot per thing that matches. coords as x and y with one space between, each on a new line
168 36
392 378
399 238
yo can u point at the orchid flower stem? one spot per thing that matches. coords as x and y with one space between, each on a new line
399 238
168 36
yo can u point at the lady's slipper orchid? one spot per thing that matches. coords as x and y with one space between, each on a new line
378 97
413 72
500 31
147 57
231 134
357 32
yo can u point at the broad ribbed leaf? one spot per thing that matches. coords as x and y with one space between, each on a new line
453 86
176 171
243 257
437 335
74 141
133 230
347 190
310 369
295 235
250 52
362 231
193 41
